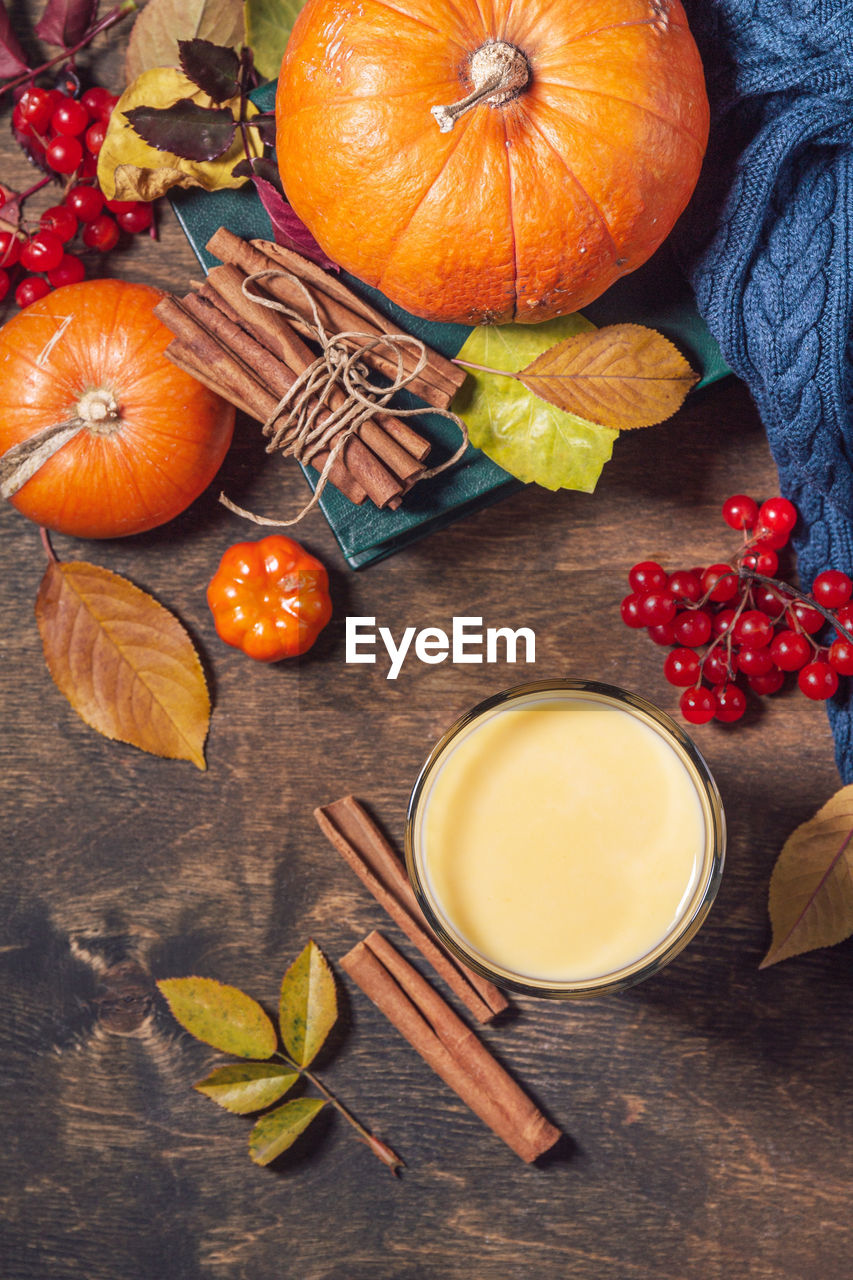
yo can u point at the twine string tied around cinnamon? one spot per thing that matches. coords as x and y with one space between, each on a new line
303 423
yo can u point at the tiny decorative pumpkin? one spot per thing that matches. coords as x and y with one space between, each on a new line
573 139
150 438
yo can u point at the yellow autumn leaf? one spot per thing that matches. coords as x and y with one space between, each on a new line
125 663
622 376
130 169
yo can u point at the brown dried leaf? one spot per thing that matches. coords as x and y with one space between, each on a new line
162 23
124 662
621 376
811 889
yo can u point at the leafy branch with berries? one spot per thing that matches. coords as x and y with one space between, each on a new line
736 628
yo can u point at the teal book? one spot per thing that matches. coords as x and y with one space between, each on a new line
656 295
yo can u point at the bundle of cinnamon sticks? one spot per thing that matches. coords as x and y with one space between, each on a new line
252 355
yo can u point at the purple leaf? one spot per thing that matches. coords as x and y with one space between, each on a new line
213 67
288 229
12 59
65 22
186 129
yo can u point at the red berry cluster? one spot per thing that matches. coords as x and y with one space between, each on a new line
64 134
736 627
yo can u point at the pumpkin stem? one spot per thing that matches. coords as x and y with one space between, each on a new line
498 70
98 410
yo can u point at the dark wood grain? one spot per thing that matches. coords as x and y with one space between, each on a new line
707 1111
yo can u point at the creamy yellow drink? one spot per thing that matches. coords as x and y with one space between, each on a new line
563 837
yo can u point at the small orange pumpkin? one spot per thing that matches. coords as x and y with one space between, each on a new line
576 144
151 437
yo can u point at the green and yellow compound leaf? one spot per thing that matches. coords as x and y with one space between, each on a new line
245 1087
308 1005
221 1016
125 663
279 1129
268 27
162 23
622 376
811 889
130 169
530 438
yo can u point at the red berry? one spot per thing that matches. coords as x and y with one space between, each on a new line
777 514
630 608
5 283
754 662
768 601
71 270
643 578
140 219
720 582
87 202
731 703
770 682
769 539
844 615
61 220
70 118
818 681
753 628
722 621
685 585
681 667
740 512
692 627
30 290
841 656
42 252
95 135
698 705
98 101
832 588
662 634
657 608
101 233
715 666
64 154
36 108
761 559
10 249
809 619
790 650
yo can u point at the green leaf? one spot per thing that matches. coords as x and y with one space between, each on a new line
308 1005
528 437
279 1129
243 1088
268 27
221 1016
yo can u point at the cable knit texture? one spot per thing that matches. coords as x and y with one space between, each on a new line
767 242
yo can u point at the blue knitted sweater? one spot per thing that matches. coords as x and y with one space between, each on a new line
769 248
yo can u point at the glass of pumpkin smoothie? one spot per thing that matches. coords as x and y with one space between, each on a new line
565 838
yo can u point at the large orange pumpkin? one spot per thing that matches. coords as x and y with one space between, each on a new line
567 173
152 437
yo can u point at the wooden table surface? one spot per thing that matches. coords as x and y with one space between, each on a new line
706 1111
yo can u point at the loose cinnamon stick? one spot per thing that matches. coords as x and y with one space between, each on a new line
365 850
454 1053
337 316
